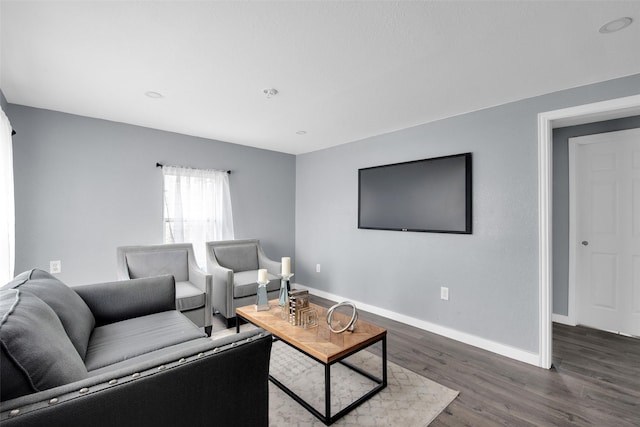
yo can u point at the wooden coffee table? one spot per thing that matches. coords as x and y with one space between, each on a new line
324 346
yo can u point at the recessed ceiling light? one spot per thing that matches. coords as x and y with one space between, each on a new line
615 25
154 95
301 132
270 92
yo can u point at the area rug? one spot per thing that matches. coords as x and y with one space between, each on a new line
408 400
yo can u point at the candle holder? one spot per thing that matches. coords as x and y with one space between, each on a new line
285 287
262 304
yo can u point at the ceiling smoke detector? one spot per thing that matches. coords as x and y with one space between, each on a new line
154 95
615 25
270 92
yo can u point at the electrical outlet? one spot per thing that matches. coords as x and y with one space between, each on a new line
444 293
55 267
317 268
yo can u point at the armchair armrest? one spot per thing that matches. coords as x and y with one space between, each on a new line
273 267
182 388
204 281
222 285
115 301
199 277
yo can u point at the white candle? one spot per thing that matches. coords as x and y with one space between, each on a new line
286 265
262 275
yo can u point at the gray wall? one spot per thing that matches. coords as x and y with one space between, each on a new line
492 274
3 101
85 186
561 201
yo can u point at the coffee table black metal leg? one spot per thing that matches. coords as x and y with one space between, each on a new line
384 361
327 394
238 324
327 418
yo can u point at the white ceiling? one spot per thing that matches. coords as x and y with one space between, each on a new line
344 70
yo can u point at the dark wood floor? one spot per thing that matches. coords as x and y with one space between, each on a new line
595 380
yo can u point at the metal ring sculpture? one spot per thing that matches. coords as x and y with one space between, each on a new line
352 323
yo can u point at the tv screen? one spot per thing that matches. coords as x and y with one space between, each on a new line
432 195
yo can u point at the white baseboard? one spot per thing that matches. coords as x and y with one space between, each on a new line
561 318
483 343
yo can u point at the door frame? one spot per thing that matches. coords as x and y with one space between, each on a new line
573 217
547 121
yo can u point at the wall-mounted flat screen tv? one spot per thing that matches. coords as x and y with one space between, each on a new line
431 195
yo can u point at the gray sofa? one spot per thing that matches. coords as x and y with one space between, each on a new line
120 354
234 266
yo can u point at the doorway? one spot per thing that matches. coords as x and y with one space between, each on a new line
616 108
605 230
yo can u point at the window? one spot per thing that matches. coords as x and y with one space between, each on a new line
7 204
197 208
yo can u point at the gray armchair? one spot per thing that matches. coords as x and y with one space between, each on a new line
193 285
234 265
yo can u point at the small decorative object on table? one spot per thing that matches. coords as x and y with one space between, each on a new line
298 300
262 304
340 328
284 312
309 318
285 287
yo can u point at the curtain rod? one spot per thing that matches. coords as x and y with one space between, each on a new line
160 165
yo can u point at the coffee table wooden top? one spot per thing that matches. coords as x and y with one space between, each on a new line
319 342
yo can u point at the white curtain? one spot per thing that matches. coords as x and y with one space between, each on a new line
7 203
197 208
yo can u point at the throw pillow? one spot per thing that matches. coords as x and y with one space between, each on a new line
75 315
36 353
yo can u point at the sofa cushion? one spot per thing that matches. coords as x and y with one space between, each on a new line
189 296
240 257
245 283
153 357
75 315
36 353
157 263
124 340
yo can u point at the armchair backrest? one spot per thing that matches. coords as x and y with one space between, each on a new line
136 262
237 255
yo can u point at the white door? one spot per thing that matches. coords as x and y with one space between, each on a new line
607 242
